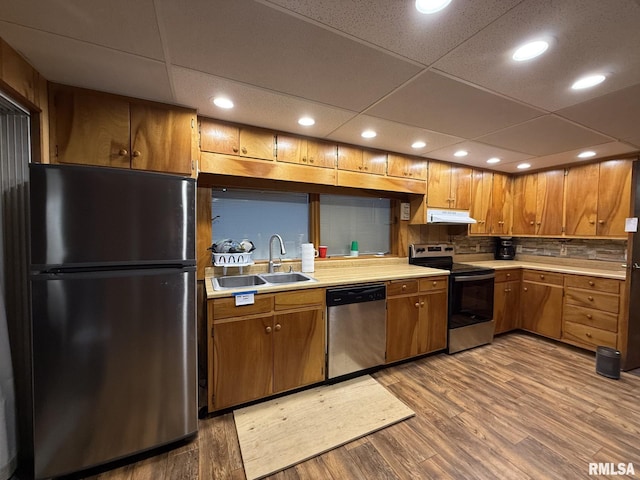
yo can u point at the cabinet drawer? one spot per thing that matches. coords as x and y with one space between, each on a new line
300 298
508 275
599 301
226 307
543 277
435 283
589 336
591 317
606 285
400 287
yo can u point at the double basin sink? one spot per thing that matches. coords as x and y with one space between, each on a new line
259 280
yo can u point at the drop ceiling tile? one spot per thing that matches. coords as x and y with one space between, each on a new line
258 45
119 24
424 38
616 114
442 104
544 136
588 36
71 62
478 154
392 136
254 106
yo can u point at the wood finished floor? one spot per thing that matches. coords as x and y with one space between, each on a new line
523 407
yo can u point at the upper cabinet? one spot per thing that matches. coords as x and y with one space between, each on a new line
448 186
221 137
598 199
406 167
358 160
94 128
501 205
481 194
537 200
307 151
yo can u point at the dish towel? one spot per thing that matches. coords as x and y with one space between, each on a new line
8 447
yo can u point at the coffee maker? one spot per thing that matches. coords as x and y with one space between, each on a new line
505 250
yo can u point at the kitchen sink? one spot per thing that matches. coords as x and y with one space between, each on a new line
236 281
293 277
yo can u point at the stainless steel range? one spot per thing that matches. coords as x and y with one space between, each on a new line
470 316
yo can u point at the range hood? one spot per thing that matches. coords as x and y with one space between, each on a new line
449 217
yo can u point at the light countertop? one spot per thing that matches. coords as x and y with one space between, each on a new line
618 274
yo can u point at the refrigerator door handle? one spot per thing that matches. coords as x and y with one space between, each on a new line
635 266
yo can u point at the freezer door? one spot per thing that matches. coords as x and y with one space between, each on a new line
114 365
108 216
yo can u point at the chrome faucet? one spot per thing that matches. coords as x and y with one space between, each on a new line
272 264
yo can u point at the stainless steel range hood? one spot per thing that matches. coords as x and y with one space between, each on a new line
449 217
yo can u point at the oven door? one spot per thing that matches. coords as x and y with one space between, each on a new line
470 299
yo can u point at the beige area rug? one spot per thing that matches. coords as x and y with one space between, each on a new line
279 433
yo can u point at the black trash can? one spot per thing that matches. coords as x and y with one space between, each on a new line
608 362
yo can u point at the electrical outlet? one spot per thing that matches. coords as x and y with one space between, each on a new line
563 250
518 248
477 248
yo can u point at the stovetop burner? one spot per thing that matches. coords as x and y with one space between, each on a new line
441 256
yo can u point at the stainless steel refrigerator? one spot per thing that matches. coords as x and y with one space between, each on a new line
113 323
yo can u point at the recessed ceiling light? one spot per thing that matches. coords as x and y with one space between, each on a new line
588 81
368 134
530 50
461 153
306 121
431 6
223 102
523 166
418 144
493 160
587 154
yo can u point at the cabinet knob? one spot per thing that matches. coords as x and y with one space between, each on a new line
267 329
311 160
507 289
435 283
304 159
417 305
591 283
404 287
359 167
526 289
538 223
590 298
591 222
600 222
422 304
235 149
136 153
278 327
366 168
244 149
541 277
123 152
588 334
531 223
508 275
589 316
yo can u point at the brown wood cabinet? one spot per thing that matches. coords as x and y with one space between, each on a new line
306 151
598 199
416 317
506 300
231 139
274 345
94 128
537 203
358 160
481 193
448 186
541 303
406 167
501 205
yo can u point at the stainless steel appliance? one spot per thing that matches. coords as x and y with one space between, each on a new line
470 316
112 314
356 328
632 350
505 250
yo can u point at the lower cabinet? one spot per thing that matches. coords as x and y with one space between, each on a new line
274 345
506 300
541 303
416 317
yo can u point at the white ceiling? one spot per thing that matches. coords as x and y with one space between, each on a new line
447 79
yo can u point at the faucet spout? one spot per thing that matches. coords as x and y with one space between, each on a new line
273 265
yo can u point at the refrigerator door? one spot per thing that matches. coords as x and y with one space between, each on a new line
114 365
91 216
632 359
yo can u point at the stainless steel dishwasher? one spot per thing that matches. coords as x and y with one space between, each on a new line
356 328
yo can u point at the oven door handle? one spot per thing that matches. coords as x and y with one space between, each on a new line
471 278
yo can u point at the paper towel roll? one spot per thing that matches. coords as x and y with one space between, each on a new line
308 256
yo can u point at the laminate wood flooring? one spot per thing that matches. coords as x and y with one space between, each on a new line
521 408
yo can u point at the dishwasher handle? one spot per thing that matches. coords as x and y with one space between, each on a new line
356 294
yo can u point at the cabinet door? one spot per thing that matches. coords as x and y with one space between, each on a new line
406 167
506 305
432 327
439 185
524 204
500 216
614 197
541 308
582 200
219 137
90 129
242 361
299 353
349 158
481 186
402 327
321 154
461 187
374 162
549 197
161 138
257 143
291 149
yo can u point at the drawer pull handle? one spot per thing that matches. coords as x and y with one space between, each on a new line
508 275
268 329
542 277
404 287
589 316
590 298
591 283
435 283
588 335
